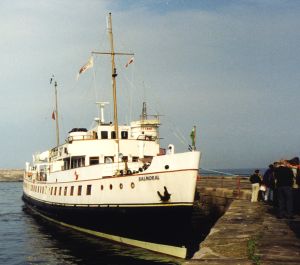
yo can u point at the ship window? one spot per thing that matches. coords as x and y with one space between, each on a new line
67 163
132 185
77 161
104 134
108 159
124 135
102 187
55 189
51 190
79 190
135 159
113 135
94 160
59 191
111 186
72 190
65 191
121 186
88 189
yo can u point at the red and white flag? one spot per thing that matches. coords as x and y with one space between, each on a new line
87 66
130 61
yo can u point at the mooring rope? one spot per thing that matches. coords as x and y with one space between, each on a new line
220 172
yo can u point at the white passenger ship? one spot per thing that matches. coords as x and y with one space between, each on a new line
114 181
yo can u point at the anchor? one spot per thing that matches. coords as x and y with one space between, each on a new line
166 197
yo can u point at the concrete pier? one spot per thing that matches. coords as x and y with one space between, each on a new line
247 233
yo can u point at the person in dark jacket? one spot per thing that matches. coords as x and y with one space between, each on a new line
255 180
284 183
269 182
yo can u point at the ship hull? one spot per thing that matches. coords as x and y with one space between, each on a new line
153 206
166 225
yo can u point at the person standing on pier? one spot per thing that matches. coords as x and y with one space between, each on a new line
284 183
255 180
269 182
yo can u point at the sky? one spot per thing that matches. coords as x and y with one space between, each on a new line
231 68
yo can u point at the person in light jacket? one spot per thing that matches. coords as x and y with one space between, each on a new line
255 180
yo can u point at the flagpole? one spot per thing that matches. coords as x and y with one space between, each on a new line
56 112
194 147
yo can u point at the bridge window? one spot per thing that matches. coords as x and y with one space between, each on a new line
66 163
59 191
124 135
94 160
65 191
113 135
77 161
104 134
108 159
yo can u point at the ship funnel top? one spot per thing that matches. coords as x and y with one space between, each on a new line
101 106
144 111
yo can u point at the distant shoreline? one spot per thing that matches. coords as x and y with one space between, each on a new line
11 175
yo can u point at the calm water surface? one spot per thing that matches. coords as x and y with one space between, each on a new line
28 240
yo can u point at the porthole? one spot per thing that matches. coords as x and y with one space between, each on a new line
102 187
167 167
111 186
121 186
132 185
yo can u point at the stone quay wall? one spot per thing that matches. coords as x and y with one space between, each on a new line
11 175
244 233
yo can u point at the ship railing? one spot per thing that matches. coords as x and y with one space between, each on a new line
147 137
80 138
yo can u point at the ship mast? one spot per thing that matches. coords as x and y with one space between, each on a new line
114 75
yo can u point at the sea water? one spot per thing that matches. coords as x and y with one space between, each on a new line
24 239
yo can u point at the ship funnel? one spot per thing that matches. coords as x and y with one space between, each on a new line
101 106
